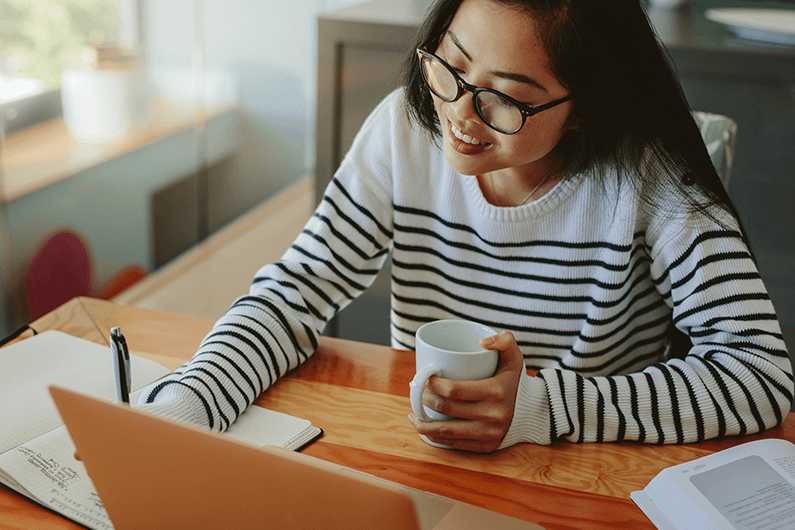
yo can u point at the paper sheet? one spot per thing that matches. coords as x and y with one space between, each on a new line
261 426
45 468
27 368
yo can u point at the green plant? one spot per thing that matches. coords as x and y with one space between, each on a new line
38 38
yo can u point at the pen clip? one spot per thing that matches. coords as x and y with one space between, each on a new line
121 364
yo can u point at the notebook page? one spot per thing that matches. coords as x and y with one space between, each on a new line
28 367
260 426
46 470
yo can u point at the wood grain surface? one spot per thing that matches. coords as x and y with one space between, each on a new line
358 394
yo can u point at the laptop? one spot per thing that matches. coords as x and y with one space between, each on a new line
151 472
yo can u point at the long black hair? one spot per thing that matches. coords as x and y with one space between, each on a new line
632 110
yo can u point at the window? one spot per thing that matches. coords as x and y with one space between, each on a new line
38 38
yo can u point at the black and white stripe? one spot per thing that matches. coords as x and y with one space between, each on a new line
591 284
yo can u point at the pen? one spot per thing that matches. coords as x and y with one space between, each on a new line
121 365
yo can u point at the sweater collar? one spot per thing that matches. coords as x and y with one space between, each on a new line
549 202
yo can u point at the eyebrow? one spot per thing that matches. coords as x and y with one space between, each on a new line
512 76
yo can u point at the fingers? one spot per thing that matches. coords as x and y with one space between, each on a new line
486 410
470 399
458 434
500 341
510 355
482 390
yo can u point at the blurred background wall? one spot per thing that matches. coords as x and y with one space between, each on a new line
231 122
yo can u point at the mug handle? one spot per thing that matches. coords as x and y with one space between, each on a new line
417 385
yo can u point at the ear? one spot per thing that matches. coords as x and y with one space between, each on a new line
574 124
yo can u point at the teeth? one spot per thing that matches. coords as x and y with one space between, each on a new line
463 137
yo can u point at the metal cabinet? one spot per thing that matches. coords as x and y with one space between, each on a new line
360 53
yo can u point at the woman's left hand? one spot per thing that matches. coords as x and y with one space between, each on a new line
485 407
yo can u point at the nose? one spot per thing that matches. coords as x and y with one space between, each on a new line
464 108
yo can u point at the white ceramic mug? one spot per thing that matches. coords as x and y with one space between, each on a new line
450 349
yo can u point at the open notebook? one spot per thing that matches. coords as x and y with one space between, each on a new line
36 452
154 473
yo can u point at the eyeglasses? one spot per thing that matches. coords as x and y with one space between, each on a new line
500 112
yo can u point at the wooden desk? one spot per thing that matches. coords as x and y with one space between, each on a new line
358 393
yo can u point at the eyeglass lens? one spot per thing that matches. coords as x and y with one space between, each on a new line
496 111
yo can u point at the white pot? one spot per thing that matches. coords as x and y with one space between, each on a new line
105 105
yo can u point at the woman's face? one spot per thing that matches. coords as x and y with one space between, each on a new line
497 47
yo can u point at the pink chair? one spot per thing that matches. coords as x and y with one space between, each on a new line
59 271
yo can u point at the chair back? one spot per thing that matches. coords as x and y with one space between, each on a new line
719 133
59 271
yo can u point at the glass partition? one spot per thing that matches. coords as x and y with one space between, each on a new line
142 126
105 157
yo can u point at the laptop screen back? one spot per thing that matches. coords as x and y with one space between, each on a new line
153 473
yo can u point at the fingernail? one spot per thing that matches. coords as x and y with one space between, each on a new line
488 341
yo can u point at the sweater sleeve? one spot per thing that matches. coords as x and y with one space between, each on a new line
735 378
276 326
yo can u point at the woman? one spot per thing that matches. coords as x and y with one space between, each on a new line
548 179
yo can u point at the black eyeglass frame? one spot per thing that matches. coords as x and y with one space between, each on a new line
463 86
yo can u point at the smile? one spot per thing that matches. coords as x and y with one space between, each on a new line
464 137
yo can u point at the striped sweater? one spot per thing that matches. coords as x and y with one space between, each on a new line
590 280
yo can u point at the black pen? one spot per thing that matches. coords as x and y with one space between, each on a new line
121 365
